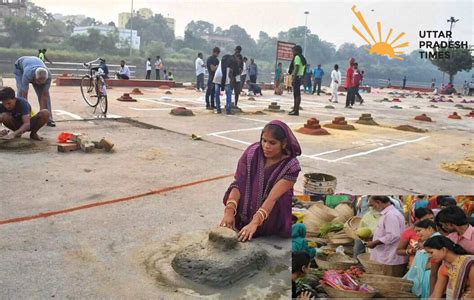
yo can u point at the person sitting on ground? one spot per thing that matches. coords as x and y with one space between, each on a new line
124 72
409 238
299 241
420 270
258 202
456 275
254 89
15 114
165 75
300 265
170 76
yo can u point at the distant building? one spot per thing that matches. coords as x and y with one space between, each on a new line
171 23
124 34
145 13
123 19
12 8
73 18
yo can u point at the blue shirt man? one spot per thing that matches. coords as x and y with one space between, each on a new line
318 74
31 69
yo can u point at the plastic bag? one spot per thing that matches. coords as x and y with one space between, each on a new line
340 249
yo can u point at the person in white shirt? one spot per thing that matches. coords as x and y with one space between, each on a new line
243 76
158 66
335 82
200 69
148 68
124 72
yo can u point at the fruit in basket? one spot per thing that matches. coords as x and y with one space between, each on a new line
364 232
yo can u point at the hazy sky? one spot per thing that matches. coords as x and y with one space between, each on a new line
331 20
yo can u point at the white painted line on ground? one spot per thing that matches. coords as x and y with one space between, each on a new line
145 109
379 149
231 139
316 158
113 116
234 130
324 153
63 112
160 102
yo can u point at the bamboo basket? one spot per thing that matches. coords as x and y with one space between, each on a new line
344 213
317 215
351 226
335 293
324 263
369 265
387 283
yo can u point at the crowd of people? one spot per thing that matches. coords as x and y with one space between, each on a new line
432 244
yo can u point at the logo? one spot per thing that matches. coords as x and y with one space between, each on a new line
382 48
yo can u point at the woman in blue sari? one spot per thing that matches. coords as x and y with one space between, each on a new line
419 272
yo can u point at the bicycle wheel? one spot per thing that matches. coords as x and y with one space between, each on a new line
103 103
88 91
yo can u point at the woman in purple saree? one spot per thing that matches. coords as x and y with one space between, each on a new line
258 202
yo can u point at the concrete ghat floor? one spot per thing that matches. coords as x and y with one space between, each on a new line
90 252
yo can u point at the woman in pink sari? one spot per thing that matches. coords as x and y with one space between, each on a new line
258 202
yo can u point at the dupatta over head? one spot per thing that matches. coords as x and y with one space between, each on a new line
250 180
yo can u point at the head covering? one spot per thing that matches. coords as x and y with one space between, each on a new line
293 148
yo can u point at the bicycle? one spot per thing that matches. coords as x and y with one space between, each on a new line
93 86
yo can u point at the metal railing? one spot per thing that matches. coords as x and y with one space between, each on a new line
78 69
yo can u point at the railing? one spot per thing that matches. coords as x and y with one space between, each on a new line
78 69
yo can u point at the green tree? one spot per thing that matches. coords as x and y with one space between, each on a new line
459 60
152 30
23 31
38 13
200 28
55 28
195 42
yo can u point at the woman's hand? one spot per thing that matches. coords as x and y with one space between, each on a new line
228 220
248 232
306 295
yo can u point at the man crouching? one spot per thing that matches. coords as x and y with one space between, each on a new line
15 114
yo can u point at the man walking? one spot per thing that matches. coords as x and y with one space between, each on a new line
335 81
30 69
404 82
158 65
243 76
318 74
200 69
212 64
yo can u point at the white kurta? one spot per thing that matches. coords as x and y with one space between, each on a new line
335 76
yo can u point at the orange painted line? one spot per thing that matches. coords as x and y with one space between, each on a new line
97 204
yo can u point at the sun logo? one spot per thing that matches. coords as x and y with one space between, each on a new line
379 48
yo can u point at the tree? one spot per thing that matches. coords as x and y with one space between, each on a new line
55 28
95 41
90 22
152 29
193 42
459 60
38 13
23 31
200 28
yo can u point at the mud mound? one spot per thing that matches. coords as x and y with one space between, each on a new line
463 167
410 128
22 145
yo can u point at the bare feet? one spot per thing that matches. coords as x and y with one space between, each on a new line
36 137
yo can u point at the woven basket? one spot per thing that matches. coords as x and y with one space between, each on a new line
344 212
341 241
319 183
370 266
335 293
325 264
387 283
317 215
396 294
351 226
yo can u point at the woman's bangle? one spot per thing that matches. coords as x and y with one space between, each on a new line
234 202
260 217
263 212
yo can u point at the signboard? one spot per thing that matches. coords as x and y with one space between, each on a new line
284 50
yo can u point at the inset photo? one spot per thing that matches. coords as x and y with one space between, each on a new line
383 246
